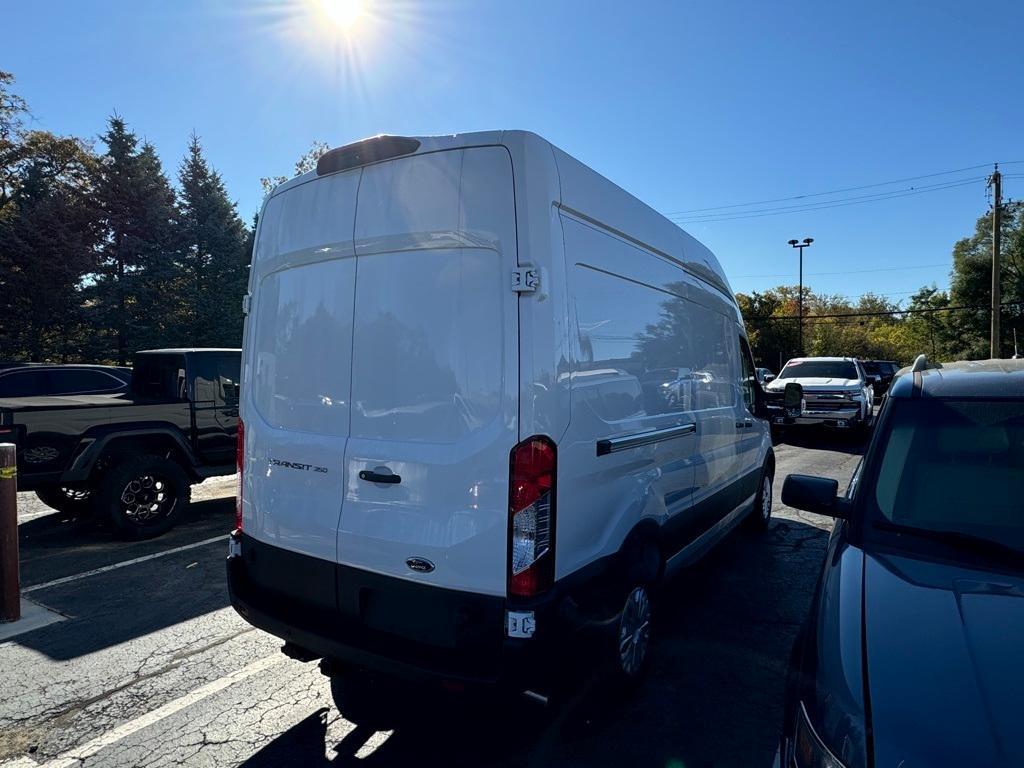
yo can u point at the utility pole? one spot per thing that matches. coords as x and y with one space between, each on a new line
800 299
996 182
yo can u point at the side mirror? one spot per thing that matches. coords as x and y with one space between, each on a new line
813 494
793 400
769 377
874 379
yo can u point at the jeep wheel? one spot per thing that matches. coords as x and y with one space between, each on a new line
144 496
74 500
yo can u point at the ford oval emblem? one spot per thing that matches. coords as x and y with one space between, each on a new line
419 564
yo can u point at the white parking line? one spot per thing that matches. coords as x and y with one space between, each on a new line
222 538
74 757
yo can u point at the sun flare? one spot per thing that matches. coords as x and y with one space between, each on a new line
342 14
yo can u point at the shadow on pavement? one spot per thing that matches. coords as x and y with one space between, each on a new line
57 545
823 439
713 697
117 606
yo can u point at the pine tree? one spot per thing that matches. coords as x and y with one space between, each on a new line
133 295
47 247
214 247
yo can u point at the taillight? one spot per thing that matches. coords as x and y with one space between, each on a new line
239 462
531 507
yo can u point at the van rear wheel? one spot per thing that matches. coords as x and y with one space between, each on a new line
761 515
633 636
368 700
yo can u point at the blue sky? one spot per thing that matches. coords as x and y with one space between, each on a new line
686 104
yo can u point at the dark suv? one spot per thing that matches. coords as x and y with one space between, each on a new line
911 654
881 374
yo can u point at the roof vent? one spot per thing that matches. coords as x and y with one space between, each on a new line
364 152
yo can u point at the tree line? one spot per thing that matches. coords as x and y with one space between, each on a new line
101 255
944 324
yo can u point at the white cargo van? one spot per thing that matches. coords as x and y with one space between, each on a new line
489 399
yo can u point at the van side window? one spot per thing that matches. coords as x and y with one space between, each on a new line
748 376
644 351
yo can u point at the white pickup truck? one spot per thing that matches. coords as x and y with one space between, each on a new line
837 392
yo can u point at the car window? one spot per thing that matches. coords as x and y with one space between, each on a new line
25 384
954 465
814 369
71 381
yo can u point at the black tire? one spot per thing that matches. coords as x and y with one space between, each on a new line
144 496
369 701
761 513
629 649
77 500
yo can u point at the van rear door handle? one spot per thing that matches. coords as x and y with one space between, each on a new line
379 477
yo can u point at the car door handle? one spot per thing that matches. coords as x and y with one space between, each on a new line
745 424
379 477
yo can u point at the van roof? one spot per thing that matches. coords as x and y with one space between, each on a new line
582 193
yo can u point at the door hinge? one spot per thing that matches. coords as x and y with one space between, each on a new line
525 279
246 301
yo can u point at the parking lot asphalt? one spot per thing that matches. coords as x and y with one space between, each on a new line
151 666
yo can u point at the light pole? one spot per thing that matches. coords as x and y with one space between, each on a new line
800 300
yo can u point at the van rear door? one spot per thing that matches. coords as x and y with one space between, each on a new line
297 379
434 371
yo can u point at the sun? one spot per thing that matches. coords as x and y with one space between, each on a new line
342 14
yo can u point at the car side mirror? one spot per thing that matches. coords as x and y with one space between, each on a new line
793 399
769 377
814 494
874 379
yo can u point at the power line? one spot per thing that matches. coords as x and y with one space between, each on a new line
838 191
852 271
756 214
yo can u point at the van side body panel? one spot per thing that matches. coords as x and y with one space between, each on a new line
544 407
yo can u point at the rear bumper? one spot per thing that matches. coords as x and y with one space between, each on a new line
389 625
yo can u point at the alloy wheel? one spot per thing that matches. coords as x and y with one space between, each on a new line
147 498
766 498
634 631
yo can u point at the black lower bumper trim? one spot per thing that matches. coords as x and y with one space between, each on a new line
383 624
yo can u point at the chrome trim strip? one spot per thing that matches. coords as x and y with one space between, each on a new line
615 444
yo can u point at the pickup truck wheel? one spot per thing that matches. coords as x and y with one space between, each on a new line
71 500
144 496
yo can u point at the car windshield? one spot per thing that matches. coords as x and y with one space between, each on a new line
819 369
954 466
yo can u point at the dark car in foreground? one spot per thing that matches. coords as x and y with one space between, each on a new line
44 380
911 655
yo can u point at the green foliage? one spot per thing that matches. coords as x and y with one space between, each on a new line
132 294
213 256
304 164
